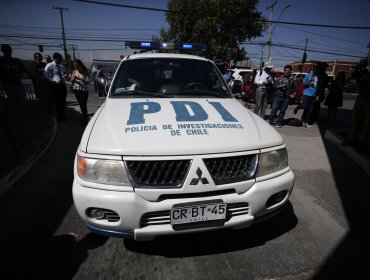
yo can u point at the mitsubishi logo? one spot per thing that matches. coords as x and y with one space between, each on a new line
195 181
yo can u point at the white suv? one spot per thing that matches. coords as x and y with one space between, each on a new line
171 152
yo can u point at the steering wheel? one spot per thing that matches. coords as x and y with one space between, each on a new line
195 85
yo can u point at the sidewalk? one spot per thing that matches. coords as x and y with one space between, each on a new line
336 133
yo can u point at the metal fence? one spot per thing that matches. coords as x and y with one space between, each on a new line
26 123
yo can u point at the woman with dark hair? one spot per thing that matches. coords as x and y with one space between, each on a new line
38 66
80 79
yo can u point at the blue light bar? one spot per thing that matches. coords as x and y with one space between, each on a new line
165 45
187 46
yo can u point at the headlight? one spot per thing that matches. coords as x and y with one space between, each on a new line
271 162
110 172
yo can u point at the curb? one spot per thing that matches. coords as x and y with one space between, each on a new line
18 172
361 160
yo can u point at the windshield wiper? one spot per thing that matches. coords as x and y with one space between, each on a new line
202 92
145 93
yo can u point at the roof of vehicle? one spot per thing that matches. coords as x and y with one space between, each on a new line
164 55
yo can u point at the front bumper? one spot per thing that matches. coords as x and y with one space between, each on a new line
131 207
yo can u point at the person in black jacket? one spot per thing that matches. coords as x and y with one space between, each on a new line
360 127
284 86
334 98
322 84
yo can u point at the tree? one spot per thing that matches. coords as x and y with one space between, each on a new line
221 24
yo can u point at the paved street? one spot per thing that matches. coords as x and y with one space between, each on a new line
322 233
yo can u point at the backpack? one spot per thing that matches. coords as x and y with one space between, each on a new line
294 122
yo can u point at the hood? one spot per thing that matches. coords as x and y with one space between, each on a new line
160 127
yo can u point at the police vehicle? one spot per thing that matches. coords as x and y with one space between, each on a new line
171 151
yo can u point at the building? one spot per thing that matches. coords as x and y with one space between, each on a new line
334 66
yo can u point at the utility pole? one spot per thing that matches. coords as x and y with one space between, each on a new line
73 51
261 61
368 53
271 7
304 56
61 9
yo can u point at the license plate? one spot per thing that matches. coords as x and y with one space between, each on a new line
198 213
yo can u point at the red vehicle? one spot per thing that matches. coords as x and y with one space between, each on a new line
248 89
242 88
298 94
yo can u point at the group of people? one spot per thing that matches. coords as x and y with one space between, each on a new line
50 72
282 89
56 75
316 90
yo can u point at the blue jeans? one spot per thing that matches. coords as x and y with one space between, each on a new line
280 104
308 103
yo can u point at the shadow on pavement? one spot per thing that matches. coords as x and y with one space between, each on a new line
55 257
220 241
35 206
351 258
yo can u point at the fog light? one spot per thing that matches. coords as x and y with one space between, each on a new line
97 213
275 198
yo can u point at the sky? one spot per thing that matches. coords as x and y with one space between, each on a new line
25 24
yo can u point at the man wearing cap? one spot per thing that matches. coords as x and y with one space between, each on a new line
263 82
284 87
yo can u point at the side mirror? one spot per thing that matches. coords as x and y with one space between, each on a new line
235 86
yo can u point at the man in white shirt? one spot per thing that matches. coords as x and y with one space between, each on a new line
263 82
55 73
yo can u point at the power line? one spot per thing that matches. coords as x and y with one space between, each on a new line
126 6
123 39
175 11
315 51
58 28
326 36
326 47
317 25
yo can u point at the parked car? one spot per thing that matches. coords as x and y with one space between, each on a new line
349 88
238 73
242 87
171 151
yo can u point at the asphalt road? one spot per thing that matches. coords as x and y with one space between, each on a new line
322 233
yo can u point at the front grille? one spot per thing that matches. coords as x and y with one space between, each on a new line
158 173
234 169
163 217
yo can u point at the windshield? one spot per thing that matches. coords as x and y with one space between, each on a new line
168 77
